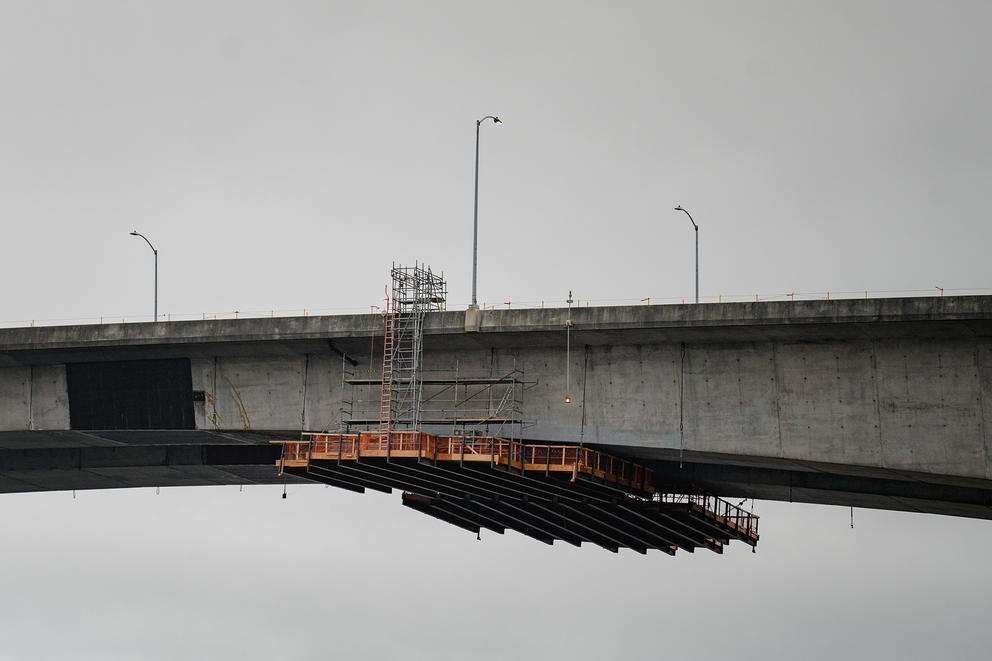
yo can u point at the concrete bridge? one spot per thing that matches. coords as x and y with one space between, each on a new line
883 403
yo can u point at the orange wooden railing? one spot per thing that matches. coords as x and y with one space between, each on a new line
498 451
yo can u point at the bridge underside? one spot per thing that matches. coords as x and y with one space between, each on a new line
791 481
67 460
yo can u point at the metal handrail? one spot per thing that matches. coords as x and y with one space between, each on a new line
718 507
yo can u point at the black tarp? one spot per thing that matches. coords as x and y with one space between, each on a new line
134 394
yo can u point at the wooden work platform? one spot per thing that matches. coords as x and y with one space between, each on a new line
476 449
547 492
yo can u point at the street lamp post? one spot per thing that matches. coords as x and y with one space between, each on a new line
475 223
156 268
696 228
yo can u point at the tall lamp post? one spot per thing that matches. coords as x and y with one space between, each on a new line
156 268
695 227
475 223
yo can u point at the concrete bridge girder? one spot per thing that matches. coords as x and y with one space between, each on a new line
872 390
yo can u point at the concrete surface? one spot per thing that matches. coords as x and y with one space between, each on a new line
879 401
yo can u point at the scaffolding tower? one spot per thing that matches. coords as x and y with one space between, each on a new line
480 402
416 291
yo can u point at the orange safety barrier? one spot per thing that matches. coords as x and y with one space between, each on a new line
394 443
497 451
590 462
294 453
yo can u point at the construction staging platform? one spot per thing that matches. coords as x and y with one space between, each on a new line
547 492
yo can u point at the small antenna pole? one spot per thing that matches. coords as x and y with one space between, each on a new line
568 350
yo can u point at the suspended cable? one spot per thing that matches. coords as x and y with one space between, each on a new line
306 378
585 371
681 404
568 351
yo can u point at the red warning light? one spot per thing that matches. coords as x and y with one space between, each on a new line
568 399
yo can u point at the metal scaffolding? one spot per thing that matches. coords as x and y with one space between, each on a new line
484 399
467 404
416 291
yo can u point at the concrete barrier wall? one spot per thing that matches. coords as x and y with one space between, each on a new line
33 397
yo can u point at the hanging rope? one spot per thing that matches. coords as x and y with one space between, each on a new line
306 378
585 370
681 404
568 351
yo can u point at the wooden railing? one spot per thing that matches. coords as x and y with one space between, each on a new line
494 450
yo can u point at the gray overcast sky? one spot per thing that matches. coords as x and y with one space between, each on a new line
282 155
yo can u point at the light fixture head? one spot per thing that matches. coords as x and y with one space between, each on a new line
679 208
568 399
497 120
134 234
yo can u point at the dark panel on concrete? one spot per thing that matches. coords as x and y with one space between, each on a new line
135 394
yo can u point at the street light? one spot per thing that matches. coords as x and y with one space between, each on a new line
695 227
475 224
156 268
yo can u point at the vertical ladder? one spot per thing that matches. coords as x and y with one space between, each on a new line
416 290
386 396
347 410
